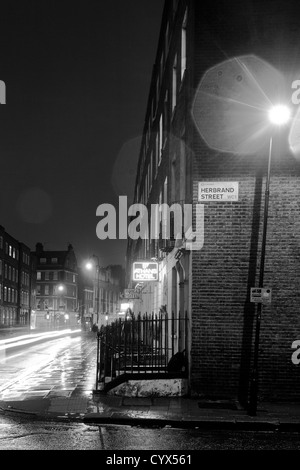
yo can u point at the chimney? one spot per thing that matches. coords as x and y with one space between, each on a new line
39 248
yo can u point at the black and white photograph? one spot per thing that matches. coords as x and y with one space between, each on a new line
149 229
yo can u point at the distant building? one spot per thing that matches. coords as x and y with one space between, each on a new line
107 284
111 285
56 288
85 298
17 281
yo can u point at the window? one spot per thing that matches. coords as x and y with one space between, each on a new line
8 298
166 118
46 275
10 250
55 275
175 5
14 253
43 260
1 242
5 293
9 273
74 278
167 40
151 171
157 91
38 275
38 289
46 289
54 260
174 84
156 153
183 45
165 196
0 267
5 271
160 148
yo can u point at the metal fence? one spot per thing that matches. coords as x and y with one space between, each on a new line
142 344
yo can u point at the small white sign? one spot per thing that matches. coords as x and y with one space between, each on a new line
218 191
260 295
130 294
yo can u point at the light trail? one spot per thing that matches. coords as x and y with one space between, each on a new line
28 339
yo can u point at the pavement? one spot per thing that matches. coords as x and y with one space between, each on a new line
182 412
84 404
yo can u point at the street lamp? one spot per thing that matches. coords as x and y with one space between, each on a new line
89 266
58 291
278 115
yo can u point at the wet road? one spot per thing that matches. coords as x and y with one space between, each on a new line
22 434
65 367
62 366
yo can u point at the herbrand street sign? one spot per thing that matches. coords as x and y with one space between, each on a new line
218 191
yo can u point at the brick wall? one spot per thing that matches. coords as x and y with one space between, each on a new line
223 319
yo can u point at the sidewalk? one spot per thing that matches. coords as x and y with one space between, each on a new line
157 412
80 404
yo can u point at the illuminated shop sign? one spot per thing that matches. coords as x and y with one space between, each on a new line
145 271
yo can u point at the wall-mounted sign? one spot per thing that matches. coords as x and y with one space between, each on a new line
145 271
130 294
218 191
261 295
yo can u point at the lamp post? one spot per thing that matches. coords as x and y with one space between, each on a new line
59 290
278 116
90 265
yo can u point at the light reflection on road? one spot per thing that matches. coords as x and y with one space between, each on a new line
53 368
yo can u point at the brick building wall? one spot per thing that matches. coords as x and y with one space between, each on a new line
227 267
213 284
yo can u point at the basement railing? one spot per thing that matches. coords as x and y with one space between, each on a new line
145 346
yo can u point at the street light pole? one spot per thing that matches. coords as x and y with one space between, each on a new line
278 115
97 287
254 380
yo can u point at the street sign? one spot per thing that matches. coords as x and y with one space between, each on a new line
145 271
130 294
218 191
260 295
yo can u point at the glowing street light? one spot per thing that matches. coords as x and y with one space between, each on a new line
90 265
279 115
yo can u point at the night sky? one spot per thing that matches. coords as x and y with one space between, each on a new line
77 78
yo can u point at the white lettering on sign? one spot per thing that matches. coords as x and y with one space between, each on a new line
260 295
145 271
218 191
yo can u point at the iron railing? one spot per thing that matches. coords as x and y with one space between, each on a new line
142 344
